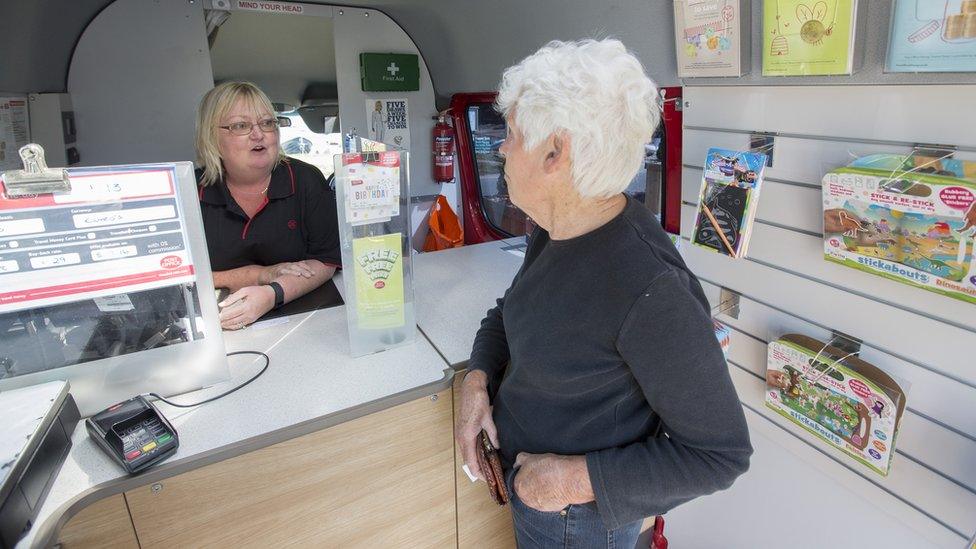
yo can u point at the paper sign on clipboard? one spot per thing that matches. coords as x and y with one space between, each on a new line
117 230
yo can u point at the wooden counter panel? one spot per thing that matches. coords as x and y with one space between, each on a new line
103 524
381 480
481 523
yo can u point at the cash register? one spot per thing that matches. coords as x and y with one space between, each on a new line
35 436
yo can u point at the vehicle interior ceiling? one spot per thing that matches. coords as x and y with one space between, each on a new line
296 69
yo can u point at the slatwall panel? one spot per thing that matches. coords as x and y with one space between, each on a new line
922 338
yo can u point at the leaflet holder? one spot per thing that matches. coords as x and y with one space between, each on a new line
372 196
36 177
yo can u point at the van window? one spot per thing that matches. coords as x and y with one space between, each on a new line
487 132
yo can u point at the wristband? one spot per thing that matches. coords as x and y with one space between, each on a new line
279 294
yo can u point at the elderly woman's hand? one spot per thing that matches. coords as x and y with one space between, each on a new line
297 268
474 414
549 482
245 306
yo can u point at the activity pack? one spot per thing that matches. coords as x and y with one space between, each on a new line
907 218
728 200
850 404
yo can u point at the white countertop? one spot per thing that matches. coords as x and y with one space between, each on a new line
311 384
455 288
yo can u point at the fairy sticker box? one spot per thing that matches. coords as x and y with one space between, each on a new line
907 218
841 399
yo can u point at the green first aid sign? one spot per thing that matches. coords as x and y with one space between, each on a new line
389 71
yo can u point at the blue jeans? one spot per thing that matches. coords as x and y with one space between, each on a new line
575 527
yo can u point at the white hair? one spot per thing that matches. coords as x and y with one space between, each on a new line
598 94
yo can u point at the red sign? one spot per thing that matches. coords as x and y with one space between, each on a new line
859 388
958 198
170 262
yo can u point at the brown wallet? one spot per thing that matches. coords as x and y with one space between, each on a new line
491 467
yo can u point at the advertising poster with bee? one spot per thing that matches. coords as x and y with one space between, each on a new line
378 271
728 200
808 37
847 402
711 35
932 36
387 121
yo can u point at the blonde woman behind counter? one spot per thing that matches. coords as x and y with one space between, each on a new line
271 224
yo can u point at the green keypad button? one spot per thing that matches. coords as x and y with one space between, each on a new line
164 439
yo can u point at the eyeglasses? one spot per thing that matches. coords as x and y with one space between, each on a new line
244 128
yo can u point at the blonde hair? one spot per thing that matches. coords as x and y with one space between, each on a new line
213 107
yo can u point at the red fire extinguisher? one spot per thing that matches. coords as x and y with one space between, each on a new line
443 149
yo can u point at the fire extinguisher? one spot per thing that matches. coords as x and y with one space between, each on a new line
443 149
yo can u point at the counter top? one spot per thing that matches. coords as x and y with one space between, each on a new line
312 383
455 288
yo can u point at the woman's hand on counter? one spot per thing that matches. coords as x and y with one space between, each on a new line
474 414
297 268
245 306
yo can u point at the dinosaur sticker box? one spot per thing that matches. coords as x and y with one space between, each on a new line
906 218
850 404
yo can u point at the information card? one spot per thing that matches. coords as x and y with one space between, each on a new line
117 231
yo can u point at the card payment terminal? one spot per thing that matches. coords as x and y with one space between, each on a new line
134 433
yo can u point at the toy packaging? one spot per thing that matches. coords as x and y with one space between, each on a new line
907 218
841 399
728 200
724 335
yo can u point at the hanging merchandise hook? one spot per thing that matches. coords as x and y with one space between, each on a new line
36 177
829 368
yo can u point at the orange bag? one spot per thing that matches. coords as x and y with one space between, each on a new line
445 228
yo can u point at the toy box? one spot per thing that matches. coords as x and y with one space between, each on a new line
911 219
728 201
841 399
724 335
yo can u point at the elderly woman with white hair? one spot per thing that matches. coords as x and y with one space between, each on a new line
603 343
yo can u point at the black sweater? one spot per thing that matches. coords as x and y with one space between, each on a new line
606 336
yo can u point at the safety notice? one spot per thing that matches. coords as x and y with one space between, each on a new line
14 130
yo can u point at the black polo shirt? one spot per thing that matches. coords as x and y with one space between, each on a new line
296 221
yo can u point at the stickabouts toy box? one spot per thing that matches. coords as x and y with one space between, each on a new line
911 219
850 404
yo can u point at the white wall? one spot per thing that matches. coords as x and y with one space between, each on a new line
136 76
921 337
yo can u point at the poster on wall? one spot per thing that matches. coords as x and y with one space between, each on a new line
14 130
809 38
712 37
932 36
388 122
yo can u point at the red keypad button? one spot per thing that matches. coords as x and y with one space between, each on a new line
133 455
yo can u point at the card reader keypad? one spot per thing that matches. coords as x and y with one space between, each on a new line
144 438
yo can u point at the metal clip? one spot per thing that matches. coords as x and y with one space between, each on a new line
728 304
36 178
933 150
844 342
762 142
